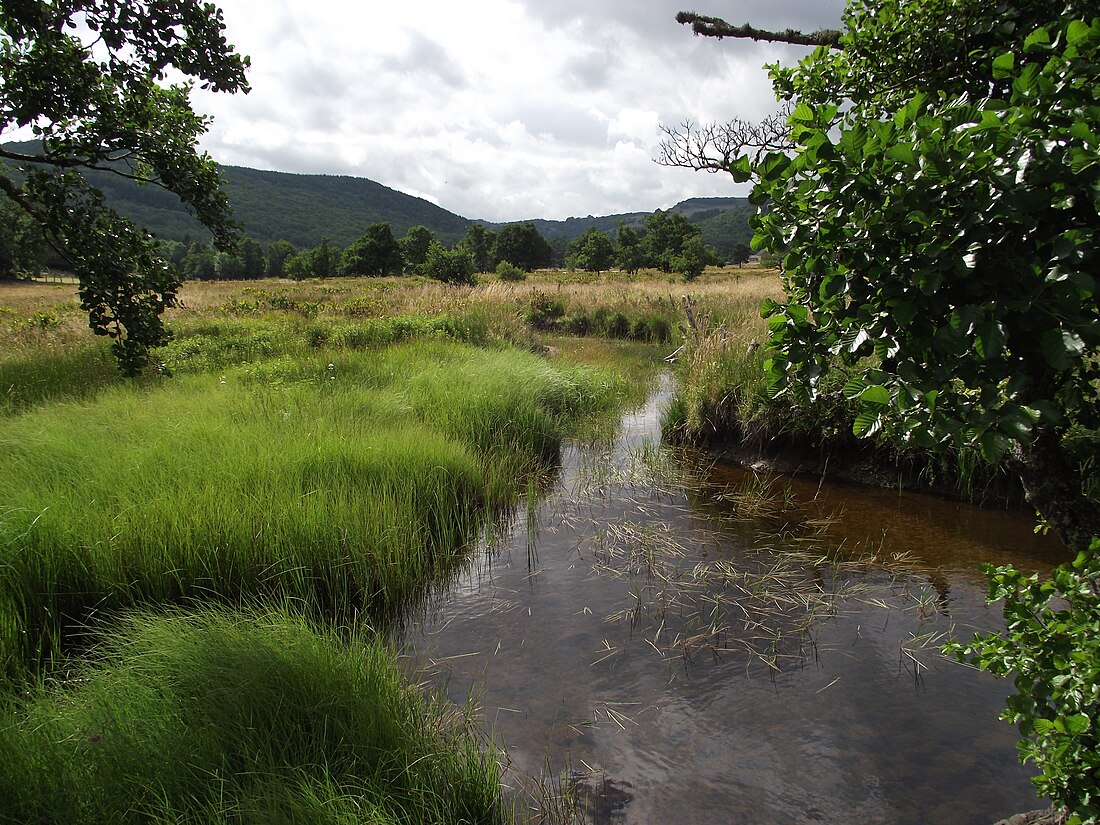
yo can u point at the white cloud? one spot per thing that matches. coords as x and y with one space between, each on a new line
502 110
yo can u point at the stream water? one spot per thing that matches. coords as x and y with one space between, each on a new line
640 639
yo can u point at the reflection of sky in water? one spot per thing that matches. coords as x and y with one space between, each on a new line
854 732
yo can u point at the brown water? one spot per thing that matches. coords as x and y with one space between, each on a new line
581 673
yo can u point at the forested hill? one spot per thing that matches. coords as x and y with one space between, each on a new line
304 208
724 222
283 206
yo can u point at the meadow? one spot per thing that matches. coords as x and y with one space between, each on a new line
198 567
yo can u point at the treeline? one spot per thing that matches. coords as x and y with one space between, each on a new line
668 242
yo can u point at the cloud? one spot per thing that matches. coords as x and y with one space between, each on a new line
517 110
427 58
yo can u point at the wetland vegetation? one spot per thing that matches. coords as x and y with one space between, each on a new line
307 465
307 460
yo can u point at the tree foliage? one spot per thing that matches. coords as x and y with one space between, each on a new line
90 80
593 251
452 266
375 252
479 242
950 154
629 252
1051 649
521 244
938 211
414 247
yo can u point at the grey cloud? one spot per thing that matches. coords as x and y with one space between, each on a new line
426 56
589 71
567 123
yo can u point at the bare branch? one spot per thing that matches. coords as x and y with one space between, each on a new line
716 27
104 161
716 146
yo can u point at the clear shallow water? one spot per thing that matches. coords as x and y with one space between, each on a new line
576 671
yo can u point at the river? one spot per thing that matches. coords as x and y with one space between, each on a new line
640 636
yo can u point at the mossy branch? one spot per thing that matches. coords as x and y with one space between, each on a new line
716 27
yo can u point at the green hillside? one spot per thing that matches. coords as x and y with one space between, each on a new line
723 221
303 208
279 205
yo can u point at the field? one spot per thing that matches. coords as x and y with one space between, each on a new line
197 568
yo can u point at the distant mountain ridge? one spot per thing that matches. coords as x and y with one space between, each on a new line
304 208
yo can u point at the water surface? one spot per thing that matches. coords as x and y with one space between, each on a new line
581 670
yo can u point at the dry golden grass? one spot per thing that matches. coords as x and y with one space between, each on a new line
36 316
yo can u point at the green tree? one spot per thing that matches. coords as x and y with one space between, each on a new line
665 236
375 252
593 251
200 263
452 266
479 242
740 255
90 80
692 259
324 259
299 266
275 260
936 208
948 261
22 247
228 266
252 258
630 254
523 245
414 247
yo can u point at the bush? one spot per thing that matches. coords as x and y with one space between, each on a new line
454 266
508 272
1054 654
544 311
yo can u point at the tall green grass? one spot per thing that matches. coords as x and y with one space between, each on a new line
256 717
346 485
35 377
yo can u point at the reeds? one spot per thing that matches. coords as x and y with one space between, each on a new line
753 591
255 716
346 485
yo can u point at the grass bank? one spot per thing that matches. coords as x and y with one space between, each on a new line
190 563
722 401
255 717
345 484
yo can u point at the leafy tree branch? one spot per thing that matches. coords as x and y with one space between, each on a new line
89 80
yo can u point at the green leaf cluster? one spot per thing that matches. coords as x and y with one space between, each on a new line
939 217
91 81
1051 650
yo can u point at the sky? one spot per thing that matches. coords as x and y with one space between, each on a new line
502 110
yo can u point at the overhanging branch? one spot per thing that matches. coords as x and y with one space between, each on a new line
716 27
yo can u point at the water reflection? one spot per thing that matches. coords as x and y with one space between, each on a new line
573 667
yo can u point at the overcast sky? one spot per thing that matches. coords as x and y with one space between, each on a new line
496 109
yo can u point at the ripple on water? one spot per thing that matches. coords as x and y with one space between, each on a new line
863 728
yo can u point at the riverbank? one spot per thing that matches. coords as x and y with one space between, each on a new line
200 568
723 404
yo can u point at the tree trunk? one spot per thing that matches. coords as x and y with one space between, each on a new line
1052 485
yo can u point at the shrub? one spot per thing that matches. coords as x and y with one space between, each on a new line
452 266
1052 648
544 311
508 272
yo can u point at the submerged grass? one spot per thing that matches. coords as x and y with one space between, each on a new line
253 717
345 484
